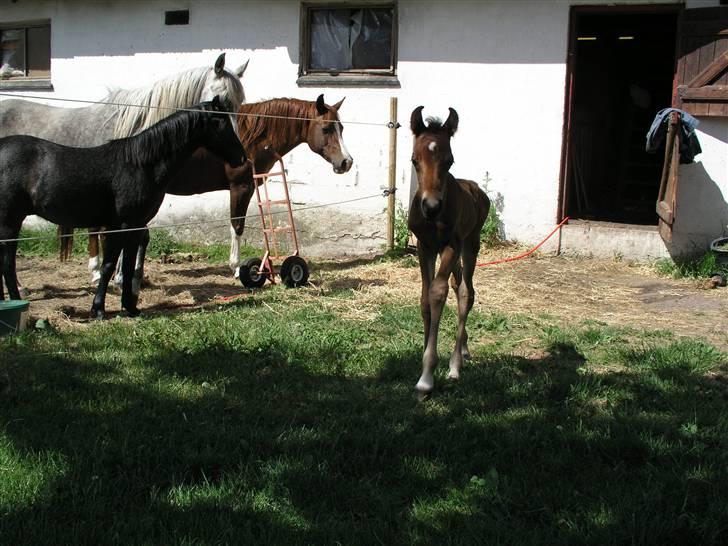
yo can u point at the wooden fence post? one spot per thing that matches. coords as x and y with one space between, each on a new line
392 171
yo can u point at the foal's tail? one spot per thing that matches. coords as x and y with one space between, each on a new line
65 235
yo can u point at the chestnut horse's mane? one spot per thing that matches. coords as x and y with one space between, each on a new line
280 128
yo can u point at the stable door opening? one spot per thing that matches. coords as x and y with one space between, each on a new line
622 68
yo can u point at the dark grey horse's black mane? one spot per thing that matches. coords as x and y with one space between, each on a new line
160 139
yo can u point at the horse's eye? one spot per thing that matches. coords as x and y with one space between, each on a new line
414 163
327 130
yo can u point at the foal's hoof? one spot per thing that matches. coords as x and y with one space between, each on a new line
97 314
133 311
423 395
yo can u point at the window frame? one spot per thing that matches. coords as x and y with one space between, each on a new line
365 77
29 82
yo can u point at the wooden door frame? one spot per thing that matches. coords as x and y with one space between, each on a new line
574 13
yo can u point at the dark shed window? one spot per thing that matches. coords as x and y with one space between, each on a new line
177 17
349 40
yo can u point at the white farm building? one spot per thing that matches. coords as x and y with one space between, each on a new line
554 96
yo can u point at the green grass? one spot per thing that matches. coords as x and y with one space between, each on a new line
690 268
277 419
46 245
161 243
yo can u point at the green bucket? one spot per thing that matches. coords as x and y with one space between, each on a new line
13 316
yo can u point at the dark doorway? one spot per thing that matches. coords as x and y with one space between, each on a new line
622 74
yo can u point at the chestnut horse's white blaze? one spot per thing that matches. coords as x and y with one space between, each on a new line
325 136
446 215
343 158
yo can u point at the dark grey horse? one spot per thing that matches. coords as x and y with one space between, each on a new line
119 185
98 123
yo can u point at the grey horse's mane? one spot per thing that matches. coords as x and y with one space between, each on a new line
177 91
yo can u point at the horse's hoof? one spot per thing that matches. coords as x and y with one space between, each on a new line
423 396
130 301
453 375
97 314
133 311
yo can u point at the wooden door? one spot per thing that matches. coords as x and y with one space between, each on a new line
701 80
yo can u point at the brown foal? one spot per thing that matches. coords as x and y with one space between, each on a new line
446 216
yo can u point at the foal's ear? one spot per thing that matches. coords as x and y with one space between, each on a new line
451 125
220 65
321 105
416 123
216 103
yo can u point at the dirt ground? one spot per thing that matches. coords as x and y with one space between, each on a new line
568 288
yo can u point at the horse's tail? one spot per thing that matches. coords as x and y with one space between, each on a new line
65 235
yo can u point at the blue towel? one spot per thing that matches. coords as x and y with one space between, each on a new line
689 145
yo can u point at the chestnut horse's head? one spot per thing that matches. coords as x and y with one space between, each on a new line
325 136
432 158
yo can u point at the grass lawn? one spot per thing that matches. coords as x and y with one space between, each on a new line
283 419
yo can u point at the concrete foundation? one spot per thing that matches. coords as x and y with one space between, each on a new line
605 240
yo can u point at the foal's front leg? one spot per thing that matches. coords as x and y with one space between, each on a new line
436 296
140 254
112 249
465 297
130 296
7 267
427 259
136 285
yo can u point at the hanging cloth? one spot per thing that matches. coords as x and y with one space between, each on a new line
689 145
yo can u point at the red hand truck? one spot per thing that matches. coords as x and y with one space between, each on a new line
293 271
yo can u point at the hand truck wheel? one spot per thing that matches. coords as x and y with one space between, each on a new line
250 274
294 271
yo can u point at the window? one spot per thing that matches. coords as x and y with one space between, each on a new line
346 43
178 17
25 52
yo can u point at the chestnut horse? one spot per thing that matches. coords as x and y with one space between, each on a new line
268 130
446 216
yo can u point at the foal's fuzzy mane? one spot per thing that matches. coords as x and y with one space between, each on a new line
255 128
160 140
180 90
434 124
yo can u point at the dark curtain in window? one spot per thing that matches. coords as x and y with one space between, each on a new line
372 46
346 39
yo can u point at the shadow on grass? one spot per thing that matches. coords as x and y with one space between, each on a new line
273 444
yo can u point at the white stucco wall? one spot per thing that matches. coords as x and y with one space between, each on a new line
500 63
702 201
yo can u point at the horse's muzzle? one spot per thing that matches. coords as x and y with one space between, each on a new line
431 208
344 166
